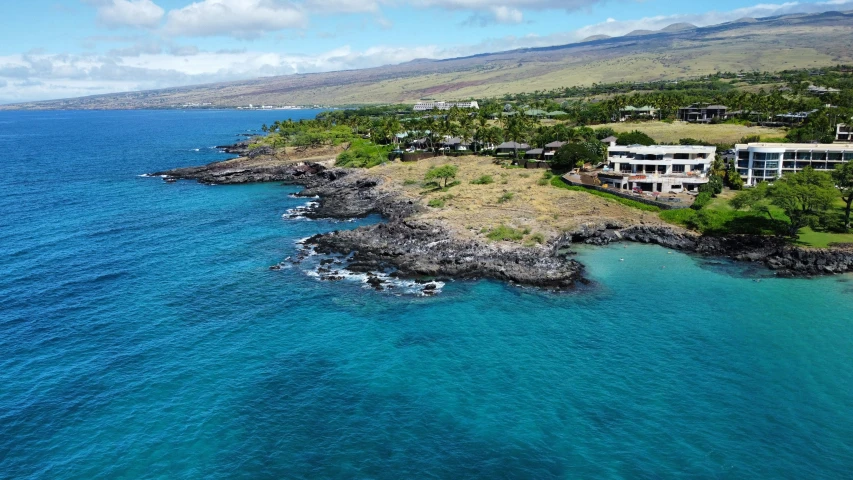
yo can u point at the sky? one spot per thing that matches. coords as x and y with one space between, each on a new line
52 49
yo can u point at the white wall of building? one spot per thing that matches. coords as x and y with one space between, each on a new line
659 168
761 162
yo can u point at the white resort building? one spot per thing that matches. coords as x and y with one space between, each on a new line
759 162
427 106
657 168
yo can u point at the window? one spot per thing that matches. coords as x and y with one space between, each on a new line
743 155
788 164
773 165
625 167
758 173
836 156
804 155
819 156
678 169
789 155
848 156
681 156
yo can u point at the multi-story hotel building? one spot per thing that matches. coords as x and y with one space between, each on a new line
427 106
761 162
657 168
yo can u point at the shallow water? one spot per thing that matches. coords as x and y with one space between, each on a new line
143 335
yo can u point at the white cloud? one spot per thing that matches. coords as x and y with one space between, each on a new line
615 27
237 18
503 11
133 13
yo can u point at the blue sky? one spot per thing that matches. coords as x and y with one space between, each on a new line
65 48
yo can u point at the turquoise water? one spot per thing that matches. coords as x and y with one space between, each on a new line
142 335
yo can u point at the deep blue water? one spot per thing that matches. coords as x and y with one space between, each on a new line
143 336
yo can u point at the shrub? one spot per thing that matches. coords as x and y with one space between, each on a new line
538 238
505 233
507 196
440 202
484 180
702 200
714 186
363 154
734 180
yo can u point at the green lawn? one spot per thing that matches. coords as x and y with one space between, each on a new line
718 218
810 238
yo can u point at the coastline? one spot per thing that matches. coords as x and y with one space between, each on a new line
415 244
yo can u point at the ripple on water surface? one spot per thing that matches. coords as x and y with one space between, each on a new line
142 334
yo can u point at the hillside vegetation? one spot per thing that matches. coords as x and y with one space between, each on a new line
772 44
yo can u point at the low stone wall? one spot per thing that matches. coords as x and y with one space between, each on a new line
415 156
537 164
618 193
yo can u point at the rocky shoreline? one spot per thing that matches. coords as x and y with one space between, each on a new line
774 253
413 248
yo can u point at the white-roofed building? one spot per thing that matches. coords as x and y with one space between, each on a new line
657 168
428 106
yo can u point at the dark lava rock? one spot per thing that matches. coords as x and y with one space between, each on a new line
418 249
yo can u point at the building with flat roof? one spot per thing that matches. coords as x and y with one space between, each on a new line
657 168
702 113
427 106
761 162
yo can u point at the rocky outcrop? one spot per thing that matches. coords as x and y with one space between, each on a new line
416 248
236 172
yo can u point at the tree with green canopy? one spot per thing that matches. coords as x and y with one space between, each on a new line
635 138
805 197
843 178
444 172
573 155
751 199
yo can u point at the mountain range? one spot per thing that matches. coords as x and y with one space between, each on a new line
676 52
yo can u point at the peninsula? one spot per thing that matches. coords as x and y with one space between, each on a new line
502 190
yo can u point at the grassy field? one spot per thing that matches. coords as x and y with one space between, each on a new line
673 132
516 198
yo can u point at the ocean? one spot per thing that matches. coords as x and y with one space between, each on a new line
142 335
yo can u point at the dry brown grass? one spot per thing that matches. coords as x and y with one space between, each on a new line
288 156
473 209
673 132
